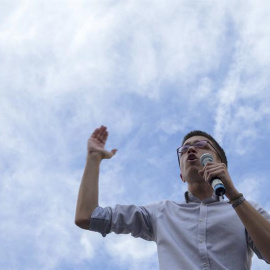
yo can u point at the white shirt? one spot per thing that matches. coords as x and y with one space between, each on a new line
191 235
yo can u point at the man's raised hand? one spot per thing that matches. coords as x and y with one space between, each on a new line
97 141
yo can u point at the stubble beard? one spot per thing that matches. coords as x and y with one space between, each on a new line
193 175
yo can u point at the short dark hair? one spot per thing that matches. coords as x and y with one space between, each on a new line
208 136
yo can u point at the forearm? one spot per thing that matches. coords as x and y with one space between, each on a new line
88 192
257 226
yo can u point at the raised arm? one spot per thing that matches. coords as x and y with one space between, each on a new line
88 192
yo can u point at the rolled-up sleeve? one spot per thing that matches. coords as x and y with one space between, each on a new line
124 219
101 220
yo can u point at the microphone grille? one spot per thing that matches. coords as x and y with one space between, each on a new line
206 158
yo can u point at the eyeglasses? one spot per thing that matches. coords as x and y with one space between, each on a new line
200 144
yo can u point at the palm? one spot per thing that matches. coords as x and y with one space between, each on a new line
97 141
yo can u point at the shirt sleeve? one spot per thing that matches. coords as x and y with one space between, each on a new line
101 220
124 219
250 242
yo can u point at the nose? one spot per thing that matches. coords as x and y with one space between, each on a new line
191 149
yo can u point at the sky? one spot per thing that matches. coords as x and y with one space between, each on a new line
151 71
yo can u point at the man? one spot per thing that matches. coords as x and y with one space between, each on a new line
202 232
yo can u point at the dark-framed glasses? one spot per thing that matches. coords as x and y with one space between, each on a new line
199 144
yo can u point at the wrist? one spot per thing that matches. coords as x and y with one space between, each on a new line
232 194
236 198
238 201
94 156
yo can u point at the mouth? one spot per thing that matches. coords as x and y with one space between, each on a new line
192 158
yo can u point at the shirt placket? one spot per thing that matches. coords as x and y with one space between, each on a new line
202 237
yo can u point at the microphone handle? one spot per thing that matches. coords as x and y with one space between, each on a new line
216 183
218 187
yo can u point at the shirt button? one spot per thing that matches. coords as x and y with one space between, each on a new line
205 264
201 240
201 220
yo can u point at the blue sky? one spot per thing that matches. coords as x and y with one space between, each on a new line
151 71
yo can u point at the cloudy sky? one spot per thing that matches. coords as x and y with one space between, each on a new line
151 71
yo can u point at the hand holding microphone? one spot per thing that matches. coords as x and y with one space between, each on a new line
215 183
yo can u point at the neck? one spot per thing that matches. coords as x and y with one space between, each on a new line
200 190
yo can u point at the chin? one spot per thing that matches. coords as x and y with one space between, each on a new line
194 176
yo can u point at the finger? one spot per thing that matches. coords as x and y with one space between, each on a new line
97 130
207 172
108 155
114 151
212 167
104 137
95 133
101 132
212 174
201 172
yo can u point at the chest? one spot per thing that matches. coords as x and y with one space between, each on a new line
201 223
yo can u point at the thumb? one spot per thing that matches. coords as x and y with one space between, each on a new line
108 155
200 172
114 151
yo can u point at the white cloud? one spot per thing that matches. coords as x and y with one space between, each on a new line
89 243
251 187
131 252
172 125
247 79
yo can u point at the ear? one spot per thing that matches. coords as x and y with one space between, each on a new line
181 176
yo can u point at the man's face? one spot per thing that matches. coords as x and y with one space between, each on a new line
190 160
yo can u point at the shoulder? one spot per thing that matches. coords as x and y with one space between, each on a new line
260 209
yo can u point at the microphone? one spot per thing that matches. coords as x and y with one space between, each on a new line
216 183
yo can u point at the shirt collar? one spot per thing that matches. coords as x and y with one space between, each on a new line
189 197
